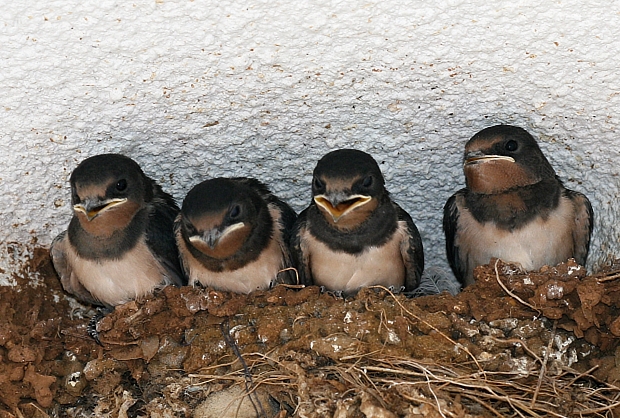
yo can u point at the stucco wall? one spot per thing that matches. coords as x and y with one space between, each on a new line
196 89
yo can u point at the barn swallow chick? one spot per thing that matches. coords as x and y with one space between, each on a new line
233 235
353 235
120 244
513 207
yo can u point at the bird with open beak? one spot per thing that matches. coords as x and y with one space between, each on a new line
233 235
119 245
352 234
513 207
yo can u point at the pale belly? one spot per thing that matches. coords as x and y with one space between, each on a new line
118 281
256 275
348 273
243 280
539 243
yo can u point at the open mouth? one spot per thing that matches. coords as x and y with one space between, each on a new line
342 208
92 212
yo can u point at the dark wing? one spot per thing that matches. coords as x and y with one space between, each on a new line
300 257
178 234
69 281
160 235
287 219
411 250
450 225
582 230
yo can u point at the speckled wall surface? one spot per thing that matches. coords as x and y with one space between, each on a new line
197 89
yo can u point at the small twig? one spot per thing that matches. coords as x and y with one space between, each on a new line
428 382
249 384
431 326
292 286
601 409
103 340
483 404
543 368
296 275
520 342
422 400
510 293
609 277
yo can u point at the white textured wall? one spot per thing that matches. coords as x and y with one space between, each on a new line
194 89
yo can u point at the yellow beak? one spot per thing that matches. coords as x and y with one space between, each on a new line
339 209
93 208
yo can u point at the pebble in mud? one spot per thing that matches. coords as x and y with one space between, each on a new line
528 329
75 383
97 367
506 325
234 403
170 356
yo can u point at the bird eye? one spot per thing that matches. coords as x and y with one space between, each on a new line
189 227
235 211
511 145
367 181
317 183
121 185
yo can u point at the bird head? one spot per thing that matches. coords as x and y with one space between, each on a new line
219 215
107 190
502 158
347 186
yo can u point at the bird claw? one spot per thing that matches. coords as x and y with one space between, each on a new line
338 294
91 328
396 289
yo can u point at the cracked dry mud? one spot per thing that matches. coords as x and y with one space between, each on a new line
541 343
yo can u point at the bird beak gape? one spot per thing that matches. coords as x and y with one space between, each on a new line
93 208
338 208
214 236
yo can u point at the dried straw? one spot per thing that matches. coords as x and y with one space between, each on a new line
406 386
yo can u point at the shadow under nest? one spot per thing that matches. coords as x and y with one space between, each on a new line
514 344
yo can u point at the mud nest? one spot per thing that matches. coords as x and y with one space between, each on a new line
515 344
